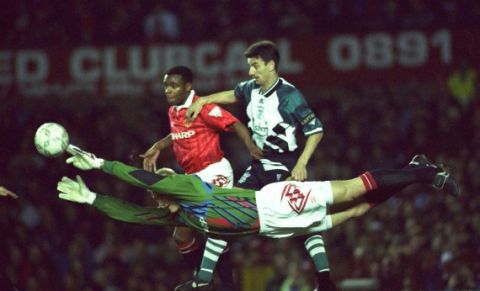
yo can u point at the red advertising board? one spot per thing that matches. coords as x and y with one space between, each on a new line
315 61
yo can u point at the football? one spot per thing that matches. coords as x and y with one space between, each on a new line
51 139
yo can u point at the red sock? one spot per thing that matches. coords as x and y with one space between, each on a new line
368 181
187 247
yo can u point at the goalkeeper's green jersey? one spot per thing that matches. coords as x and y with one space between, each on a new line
203 206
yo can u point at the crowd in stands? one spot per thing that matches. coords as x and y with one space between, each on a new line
420 239
75 22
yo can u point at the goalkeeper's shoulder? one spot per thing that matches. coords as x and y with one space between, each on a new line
111 167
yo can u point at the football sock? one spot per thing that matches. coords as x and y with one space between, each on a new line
387 192
225 270
213 249
316 248
381 184
191 253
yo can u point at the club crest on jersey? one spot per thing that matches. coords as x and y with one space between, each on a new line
295 198
220 180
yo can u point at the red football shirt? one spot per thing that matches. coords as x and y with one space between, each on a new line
197 145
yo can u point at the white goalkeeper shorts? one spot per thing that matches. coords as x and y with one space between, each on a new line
291 208
219 174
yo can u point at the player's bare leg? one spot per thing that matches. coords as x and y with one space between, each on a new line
376 186
356 211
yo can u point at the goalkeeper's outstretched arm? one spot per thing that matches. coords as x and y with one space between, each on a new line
157 182
77 191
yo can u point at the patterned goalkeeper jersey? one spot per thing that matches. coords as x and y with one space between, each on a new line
205 207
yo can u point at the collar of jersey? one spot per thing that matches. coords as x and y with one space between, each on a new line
272 88
187 103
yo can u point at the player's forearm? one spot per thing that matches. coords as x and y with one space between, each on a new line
244 134
225 97
164 142
128 212
310 146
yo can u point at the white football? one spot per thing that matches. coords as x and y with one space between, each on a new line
51 139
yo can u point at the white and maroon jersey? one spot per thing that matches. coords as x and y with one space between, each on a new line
197 145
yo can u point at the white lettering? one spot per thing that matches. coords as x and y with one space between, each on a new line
6 77
31 66
234 58
382 50
344 52
412 48
378 51
287 64
84 64
183 135
205 56
177 55
443 39
137 64
124 88
112 70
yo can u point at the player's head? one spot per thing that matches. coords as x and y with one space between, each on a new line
162 200
178 84
263 58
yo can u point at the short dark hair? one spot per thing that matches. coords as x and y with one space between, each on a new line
265 49
185 72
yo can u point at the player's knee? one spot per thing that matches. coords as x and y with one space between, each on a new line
183 235
361 209
186 241
340 192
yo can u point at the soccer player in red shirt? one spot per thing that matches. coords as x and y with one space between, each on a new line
196 146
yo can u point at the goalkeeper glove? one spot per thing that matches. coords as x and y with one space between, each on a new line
82 159
75 191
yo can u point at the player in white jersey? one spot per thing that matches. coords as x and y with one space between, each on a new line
275 109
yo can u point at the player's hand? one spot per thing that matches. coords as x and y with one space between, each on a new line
5 192
82 159
255 152
194 109
299 172
150 158
75 191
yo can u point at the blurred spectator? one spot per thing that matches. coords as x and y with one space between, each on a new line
462 84
28 23
52 245
296 279
161 24
88 252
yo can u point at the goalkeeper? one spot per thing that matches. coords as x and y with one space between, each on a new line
278 210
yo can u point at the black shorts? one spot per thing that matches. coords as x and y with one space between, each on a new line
255 177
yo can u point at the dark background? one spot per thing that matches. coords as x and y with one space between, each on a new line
421 239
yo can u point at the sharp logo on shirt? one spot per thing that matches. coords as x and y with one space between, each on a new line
295 198
183 135
261 130
215 112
